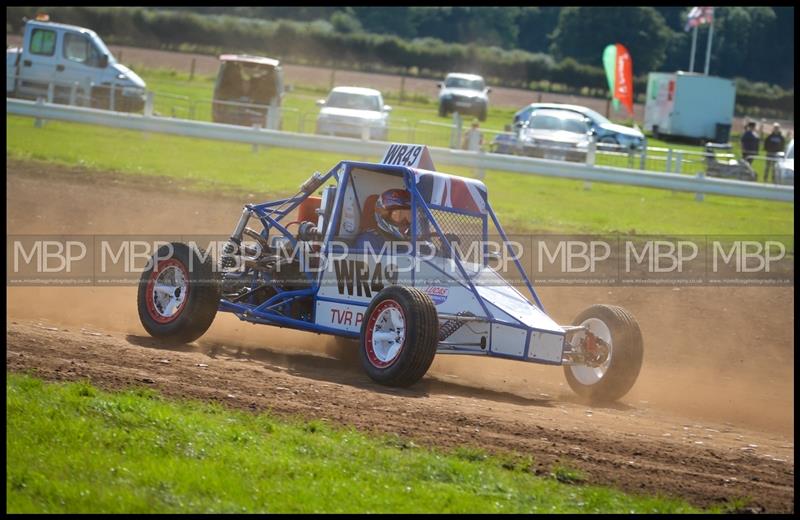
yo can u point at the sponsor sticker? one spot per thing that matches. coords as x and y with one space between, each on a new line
437 294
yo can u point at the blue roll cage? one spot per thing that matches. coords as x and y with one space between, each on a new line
271 213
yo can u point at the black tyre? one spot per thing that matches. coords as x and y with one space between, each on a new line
615 377
608 143
179 296
442 110
482 115
399 336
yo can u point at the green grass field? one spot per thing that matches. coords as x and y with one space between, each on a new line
415 119
179 93
523 203
74 449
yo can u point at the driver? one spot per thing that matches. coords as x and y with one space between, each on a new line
393 219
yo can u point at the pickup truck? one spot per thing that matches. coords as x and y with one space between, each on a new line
78 65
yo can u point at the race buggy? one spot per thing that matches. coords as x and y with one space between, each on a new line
440 292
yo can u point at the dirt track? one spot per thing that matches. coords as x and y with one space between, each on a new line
711 417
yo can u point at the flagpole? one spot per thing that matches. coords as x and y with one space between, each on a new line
708 48
694 46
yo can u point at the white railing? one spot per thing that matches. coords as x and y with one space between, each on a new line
352 147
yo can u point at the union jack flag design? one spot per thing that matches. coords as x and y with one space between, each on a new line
452 192
699 16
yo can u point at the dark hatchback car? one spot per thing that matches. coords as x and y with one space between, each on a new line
609 136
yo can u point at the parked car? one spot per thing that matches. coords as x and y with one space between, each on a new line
354 111
784 169
609 135
76 62
244 81
555 134
465 94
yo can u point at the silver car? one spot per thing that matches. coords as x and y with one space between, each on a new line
555 134
354 112
609 135
465 94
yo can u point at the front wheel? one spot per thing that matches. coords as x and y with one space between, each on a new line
612 364
178 294
608 143
399 336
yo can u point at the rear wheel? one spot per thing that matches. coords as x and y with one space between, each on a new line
178 294
608 376
399 336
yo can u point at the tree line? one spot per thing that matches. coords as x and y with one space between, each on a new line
756 43
510 46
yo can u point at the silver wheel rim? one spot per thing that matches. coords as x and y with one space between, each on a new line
388 334
586 375
169 291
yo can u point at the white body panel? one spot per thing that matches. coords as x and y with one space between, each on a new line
349 283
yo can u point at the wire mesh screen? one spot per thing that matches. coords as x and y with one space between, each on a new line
464 232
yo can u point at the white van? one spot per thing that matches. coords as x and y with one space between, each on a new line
78 65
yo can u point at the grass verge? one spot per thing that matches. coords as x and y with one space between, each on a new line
74 449
523 203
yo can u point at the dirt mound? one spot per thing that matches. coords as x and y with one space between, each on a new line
717 376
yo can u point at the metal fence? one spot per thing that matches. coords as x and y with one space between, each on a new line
480 161
450 134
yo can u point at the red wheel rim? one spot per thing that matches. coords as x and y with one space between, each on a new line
385 334
167 291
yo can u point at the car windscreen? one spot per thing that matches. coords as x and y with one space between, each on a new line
470 84
790 151
353 101
550 122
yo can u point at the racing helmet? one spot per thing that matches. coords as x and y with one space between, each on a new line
393 213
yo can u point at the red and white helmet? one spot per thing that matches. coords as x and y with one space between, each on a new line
393 213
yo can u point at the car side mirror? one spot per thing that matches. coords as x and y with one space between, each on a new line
320 102
104 61
488 89
387 108
439 85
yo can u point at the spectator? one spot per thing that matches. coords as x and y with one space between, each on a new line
750 142
473 138
774 144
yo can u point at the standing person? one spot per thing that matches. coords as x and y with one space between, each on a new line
473 138
774 144
750 142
